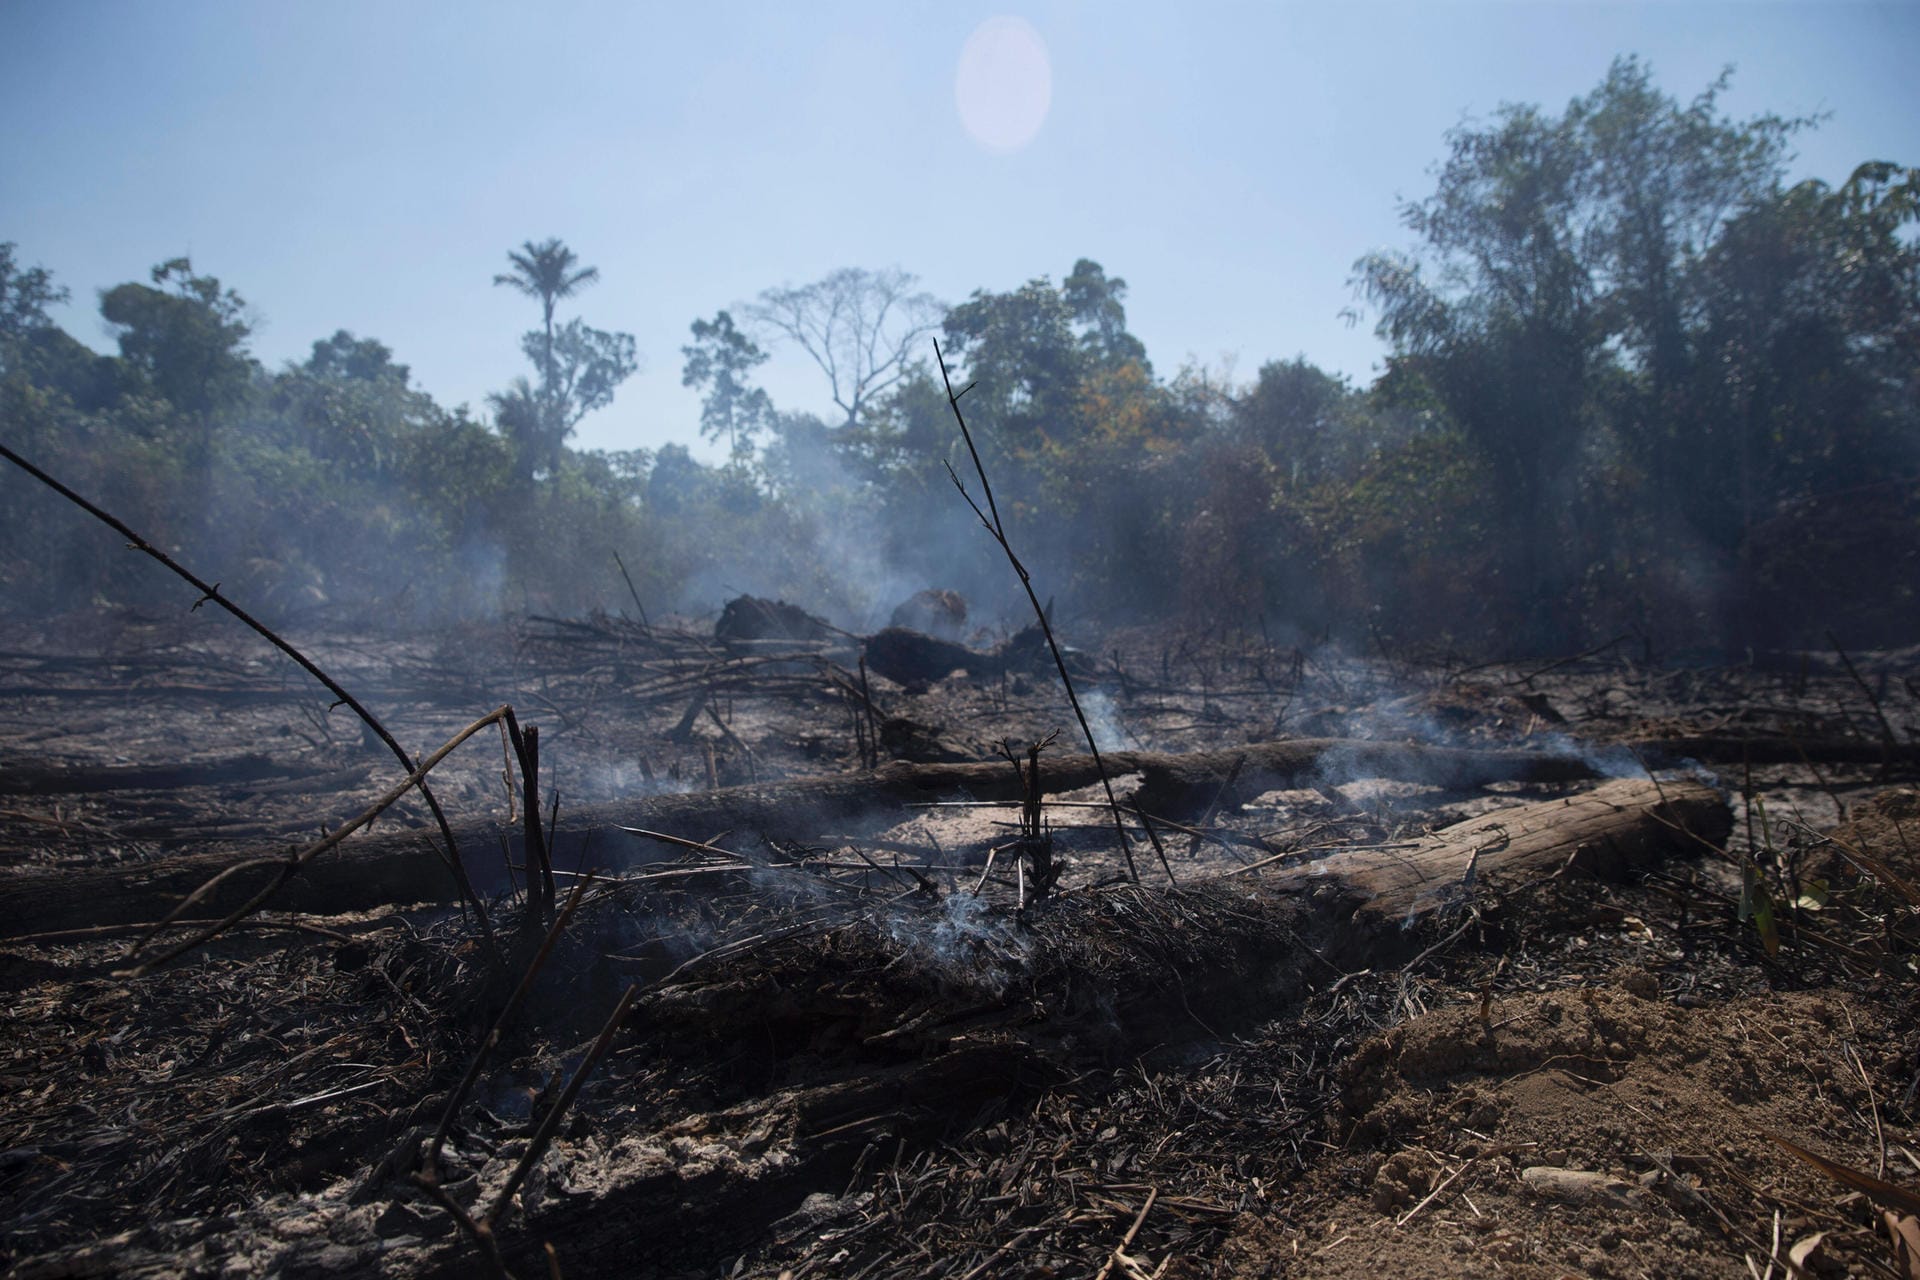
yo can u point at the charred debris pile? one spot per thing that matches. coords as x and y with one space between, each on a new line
925 1008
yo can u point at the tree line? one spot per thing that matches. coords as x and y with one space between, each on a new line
1636 382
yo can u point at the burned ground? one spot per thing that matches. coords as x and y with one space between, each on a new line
867 1052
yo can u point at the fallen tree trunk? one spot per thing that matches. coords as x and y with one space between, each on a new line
1773 748
404 866
33 778
1604 832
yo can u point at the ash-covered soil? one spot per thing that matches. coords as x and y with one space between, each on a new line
875 1054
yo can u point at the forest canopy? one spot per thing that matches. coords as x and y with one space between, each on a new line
1636 382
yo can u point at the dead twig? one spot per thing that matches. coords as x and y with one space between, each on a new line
1884 1194
1120 1250
111 930
1153 836
1432 1195
538 867
478 1231
1887 736
1873 1103
738 861
632 591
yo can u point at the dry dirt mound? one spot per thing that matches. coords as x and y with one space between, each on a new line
1883 830
1598 1132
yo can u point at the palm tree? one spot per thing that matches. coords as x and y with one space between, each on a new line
546 271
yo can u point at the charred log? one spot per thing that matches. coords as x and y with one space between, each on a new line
1604 833
403 867
29 778
1778 749
903 738
916 661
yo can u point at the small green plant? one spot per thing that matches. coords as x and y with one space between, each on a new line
1757 889
1756 904
1770 885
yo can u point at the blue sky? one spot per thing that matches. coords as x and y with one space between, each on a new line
367 166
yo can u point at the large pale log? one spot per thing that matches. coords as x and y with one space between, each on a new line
403 867
1607 831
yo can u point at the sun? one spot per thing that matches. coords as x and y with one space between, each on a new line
1004 84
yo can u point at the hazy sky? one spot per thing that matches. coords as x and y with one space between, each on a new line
367 166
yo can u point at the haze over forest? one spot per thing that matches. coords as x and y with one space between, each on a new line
1637 371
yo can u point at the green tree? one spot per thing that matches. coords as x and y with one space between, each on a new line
521 415
34 348
1557 252
1664 181
719 363
1303 420
1096 302
350 404
588 365
1026 365
1508 333
1048 363
1805 372
25 296
344 356
1071 423
184 336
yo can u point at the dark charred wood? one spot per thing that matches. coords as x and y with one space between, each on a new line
916 661
1776 749
751 618
902 738
27 778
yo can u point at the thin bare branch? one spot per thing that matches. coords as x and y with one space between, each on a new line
998 529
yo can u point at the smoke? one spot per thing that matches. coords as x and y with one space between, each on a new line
602 781
1104 719
965 942
1607 762
853 550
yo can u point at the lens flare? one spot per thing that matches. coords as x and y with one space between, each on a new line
1004 84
